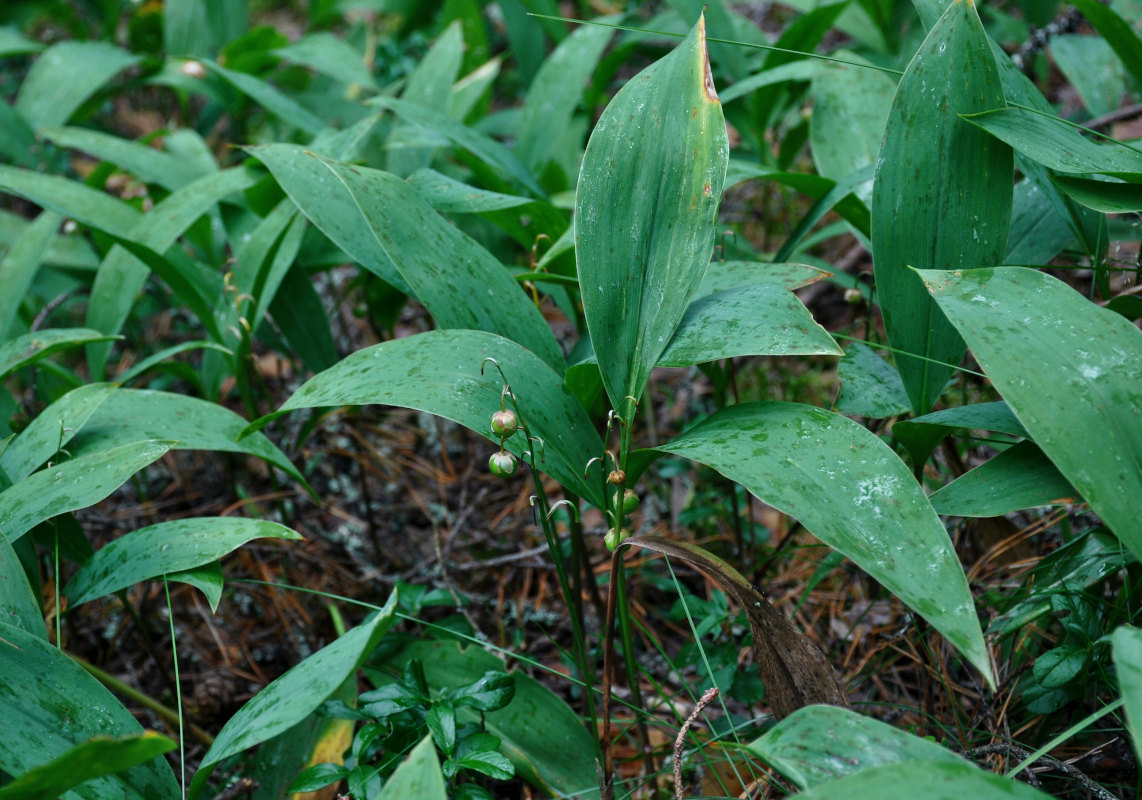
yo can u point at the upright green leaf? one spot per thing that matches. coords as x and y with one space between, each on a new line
18 268
50 704
1127 644
65 76
1071 372
19 605
418 776
942 193
852 492
430 86
293 696
165 548
645 212
1117 33
443 373
555 92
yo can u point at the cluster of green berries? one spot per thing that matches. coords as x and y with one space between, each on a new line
503 464
618 534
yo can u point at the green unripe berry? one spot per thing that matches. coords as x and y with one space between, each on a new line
504 423
630 501
502 464
615 537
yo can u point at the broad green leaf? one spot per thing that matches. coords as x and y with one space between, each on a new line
129 415
65 76
942 194
292 697
1092 68
1075 566
724 275
1104 196
429 86
1117 33
1019 477
417 776
443 373
84 762
539 732
202 27
165 548
818 744
143 161
850 111
19 605
50 704
19 266
72 199
52 429
555 92
486 149
31 347
645 212
759 320
1126 642
377 214
941 780
1039 232
207 579
1059 145
330 55
12 43
271 98
72 485
852 492
1071 372
870 385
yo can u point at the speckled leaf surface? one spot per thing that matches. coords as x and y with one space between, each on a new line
941 196
819 744
378 218
645 211
940 780
91 759
50 704
850 490
52 429
1071 372
164 548
72 485
292 697
440 372
762 319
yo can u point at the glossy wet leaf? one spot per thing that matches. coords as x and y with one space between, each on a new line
870 385
1059 145
539 732
64 76
161 549
1071 372
724 275
52 429
377 215
1018 478
72 485
31 347
921 434
1104 196
50 704
440 372
759 320
417 776
819 744
292 697
129 415
793 669
941 197
1126 642
91 759
645 211
852 492
941 780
